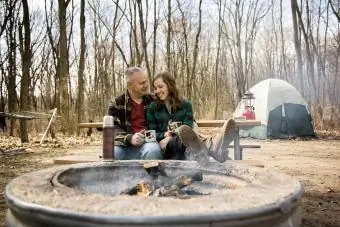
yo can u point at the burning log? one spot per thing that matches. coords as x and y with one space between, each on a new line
175 185
161 184
155 169
172 190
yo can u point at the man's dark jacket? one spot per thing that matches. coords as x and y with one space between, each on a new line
120 108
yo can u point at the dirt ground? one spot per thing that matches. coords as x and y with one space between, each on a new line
316 163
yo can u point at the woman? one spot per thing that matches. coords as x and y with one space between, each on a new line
167 113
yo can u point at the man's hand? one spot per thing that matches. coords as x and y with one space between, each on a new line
138 138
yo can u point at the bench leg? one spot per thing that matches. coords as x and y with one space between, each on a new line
237 148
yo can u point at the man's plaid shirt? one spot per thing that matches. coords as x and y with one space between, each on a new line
120 108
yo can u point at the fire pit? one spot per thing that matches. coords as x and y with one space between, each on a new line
96 195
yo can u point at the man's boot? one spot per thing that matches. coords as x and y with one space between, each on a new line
218 146
195 147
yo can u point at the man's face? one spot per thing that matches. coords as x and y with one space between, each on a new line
138 84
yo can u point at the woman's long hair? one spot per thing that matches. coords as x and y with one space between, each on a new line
174 97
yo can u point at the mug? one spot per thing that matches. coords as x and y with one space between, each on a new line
150 136
174 125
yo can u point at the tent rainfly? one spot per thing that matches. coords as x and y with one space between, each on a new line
282 110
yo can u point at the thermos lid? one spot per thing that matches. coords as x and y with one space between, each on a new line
107 121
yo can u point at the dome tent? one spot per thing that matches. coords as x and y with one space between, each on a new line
282 110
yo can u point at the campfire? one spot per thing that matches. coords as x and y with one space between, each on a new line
144 193
160 184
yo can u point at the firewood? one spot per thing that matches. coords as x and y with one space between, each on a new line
160 183
172 190
155 169
14 151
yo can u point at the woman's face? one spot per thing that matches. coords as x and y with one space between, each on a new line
161 89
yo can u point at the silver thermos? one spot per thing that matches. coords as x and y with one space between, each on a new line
108 137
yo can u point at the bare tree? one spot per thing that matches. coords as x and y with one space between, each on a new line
10 6
283 49
168 37
244 18
64 66
81 83
143 35
12 68
54 45
125 33
26 56
195 53
335 12
297 43
190 65
218 57
155 27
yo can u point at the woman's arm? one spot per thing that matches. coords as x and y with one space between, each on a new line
150 117
189 115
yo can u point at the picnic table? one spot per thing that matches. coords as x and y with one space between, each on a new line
238 148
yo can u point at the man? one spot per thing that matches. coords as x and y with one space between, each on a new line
129 112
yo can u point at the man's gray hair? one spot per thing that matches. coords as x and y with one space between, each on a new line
130 71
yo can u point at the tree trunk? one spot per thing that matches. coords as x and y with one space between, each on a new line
297 43
64 68
283 49
168 37
195 54
12 71
55 102
26 64
154 38
136 58
218 58
113 61
81 83
144 42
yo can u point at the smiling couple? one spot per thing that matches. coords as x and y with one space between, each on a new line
169 115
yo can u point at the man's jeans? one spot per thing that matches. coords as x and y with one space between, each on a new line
148 151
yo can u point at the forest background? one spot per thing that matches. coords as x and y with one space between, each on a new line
72 54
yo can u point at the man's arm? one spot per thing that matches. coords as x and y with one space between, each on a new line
121 136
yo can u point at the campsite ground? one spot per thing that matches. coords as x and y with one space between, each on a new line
316 163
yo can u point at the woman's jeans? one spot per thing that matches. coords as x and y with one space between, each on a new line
147 151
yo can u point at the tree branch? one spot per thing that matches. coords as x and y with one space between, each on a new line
337 14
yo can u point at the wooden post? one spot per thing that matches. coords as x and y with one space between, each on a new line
49 125
237 149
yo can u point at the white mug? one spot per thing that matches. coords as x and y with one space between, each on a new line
150 136
173 125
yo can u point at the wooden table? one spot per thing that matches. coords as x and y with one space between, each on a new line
204 123
239 125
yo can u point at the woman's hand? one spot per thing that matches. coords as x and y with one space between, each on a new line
164 142
168 134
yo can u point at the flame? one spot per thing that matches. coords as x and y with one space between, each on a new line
143 189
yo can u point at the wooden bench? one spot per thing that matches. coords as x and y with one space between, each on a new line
256 146
200 123
238 148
